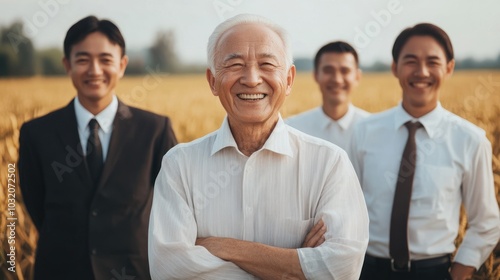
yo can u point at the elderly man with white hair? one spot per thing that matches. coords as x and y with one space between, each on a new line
256 198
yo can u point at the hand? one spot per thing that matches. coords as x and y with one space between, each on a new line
461 272
316 235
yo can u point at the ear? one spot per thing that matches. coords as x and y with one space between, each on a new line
394 69
359 73
315 75
290 78
450 66
67 65
123 65
211 81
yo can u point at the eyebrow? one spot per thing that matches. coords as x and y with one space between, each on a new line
88 54
412 56
238 55
232 56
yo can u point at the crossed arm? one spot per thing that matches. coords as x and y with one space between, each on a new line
263 261
176 251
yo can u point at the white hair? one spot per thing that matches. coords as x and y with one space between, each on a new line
244 19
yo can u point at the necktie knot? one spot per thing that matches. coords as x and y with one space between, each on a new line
413 126
93 125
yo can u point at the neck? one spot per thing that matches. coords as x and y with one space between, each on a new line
336 111
418 112
95 106
251 137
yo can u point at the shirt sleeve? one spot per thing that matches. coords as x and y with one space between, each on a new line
342 207
479 199
354 154
173 231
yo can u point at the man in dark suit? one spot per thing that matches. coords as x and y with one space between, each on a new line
87 170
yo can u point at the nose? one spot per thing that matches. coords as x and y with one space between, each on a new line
94 68
336 77
422 70
251 76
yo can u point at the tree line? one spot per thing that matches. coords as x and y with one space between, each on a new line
19 58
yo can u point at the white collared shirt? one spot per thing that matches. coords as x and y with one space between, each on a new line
453 167
104 118
316 123
209 188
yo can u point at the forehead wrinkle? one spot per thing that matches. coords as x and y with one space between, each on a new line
268 55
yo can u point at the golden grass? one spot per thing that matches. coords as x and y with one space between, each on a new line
474 95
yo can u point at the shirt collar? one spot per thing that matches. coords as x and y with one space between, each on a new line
430 121
343 122
277 142
104 118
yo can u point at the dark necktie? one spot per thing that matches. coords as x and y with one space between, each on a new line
398 245
94 152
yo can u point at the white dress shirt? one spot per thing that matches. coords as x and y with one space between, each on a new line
105 119
453 167
316 123
209 188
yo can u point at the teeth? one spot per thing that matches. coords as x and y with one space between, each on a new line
251 96
421 85
94 82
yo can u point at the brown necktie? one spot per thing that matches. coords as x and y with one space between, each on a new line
398 246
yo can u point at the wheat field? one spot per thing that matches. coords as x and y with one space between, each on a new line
194 111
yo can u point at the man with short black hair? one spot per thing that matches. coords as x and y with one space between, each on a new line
417 164
87 170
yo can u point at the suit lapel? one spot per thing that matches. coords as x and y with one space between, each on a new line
122 116
68 131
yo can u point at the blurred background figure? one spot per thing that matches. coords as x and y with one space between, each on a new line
337 73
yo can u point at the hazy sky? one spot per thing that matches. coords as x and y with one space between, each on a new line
371 26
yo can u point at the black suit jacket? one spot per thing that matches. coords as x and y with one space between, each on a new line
88 232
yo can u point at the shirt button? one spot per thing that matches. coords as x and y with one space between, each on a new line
94 251
94 213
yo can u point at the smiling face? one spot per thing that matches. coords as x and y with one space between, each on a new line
95 65
421 69
337 76
251 78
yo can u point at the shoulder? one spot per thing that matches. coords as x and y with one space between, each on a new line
307 116
199 147
360 113
312 146
47 121
144 115
145 120
377 119
463 128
